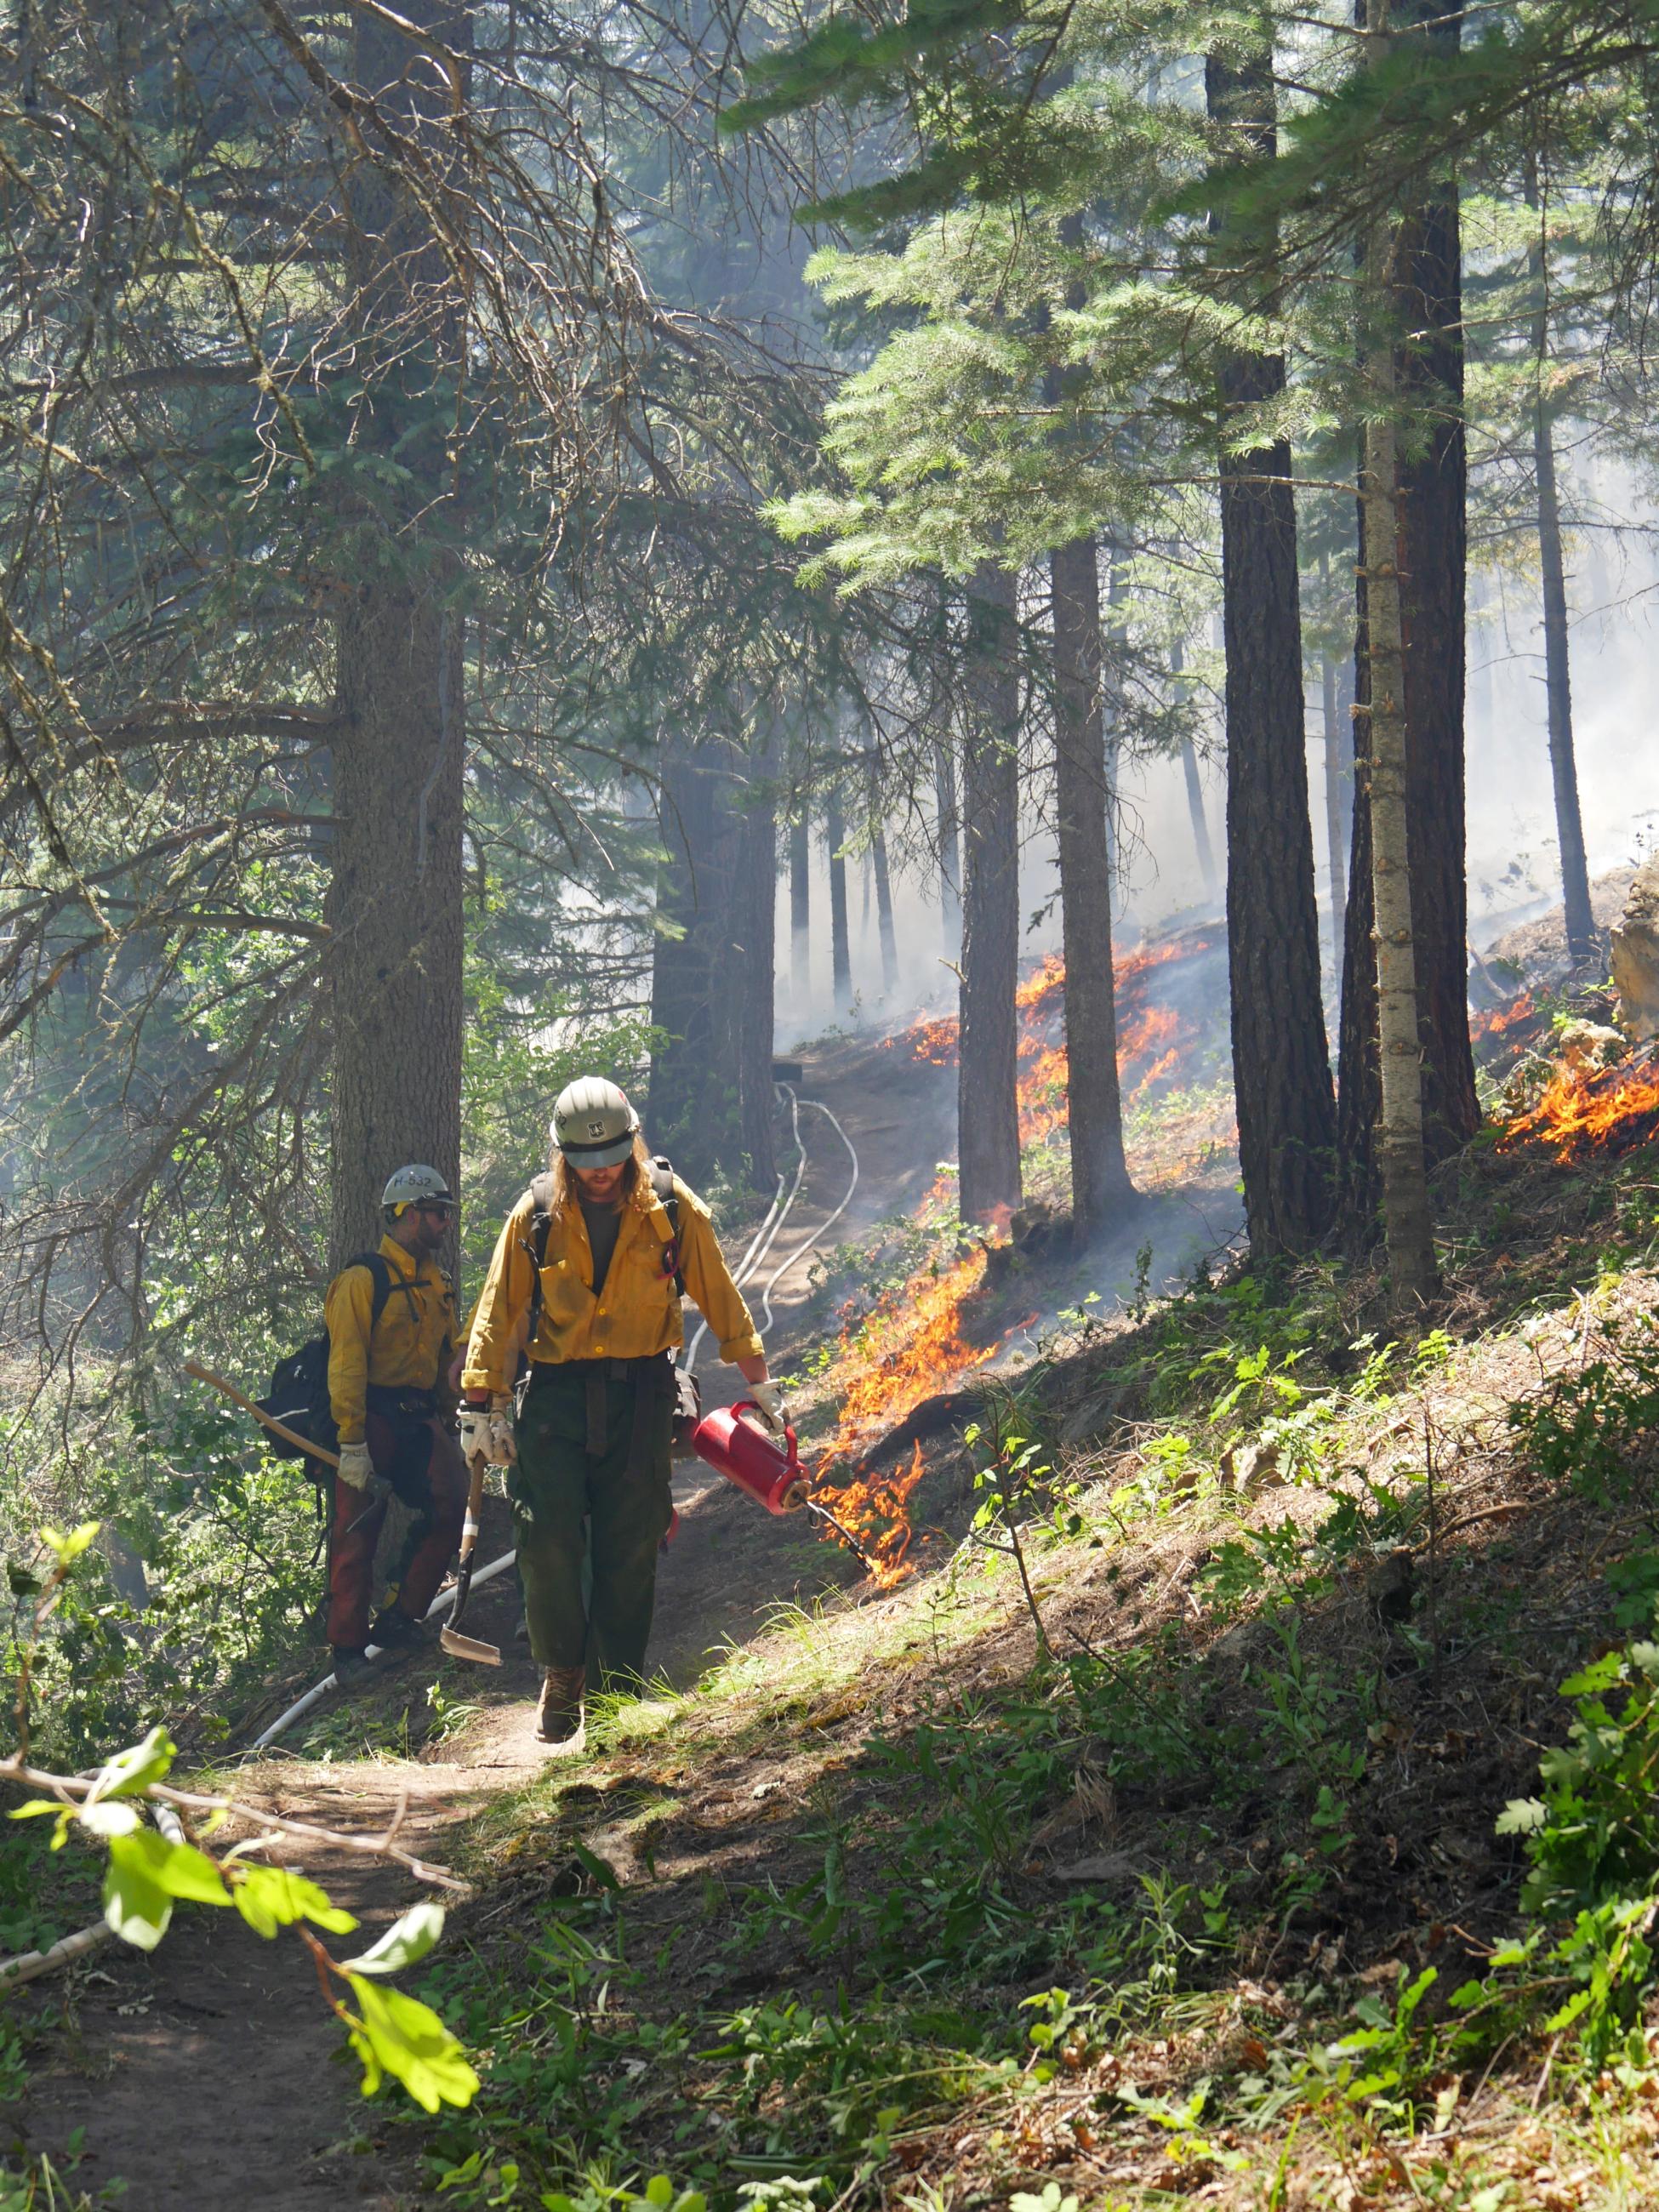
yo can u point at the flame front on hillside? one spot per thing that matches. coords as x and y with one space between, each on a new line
876 1508
1156 1041
913 1345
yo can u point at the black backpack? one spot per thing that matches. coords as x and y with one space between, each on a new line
298 1397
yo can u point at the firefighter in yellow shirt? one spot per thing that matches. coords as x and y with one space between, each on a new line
392 1336
587 1281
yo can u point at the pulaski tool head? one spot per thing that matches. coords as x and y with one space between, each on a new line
468 1647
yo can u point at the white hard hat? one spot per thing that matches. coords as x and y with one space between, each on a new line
417 1186
594 1124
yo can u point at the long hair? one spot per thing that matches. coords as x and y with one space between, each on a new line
564 1178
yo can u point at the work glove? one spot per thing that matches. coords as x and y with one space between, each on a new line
503 1436
356 1468
773 1407
474 1426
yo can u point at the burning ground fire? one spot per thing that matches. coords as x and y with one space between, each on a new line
1498 1024
1581 1112
1155 1040
913 1346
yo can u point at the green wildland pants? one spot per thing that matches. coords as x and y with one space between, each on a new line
594 1442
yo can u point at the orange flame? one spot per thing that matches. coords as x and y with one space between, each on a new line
1497 1019
912 1346
1041 1089
877 1511
1155 1034
1606 1109
1044 988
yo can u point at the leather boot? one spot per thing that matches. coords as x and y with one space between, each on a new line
559 1715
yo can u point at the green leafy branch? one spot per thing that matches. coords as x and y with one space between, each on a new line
153 1864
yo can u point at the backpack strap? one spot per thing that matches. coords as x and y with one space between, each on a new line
663 1191
379 1269
541 1220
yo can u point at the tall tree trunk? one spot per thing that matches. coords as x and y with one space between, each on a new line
988 1099
713 967
682 1116
1194 787
800 911
935 665
884 891
1111 698
1429 377
1281 1070
1401 1154
394 902
841 949
1558 671
1100 1174
753 960
1200 819
950 845
1339 751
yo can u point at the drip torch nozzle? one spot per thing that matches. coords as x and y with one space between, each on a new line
822 1513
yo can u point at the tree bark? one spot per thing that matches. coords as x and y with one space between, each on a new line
1431 555
1558 668
1194 786
950 846
988 1101
1281 1070
712 975
884 893
394 901
800 911
683 1117
840 948
1100 1174
1401 1155
1111 699
1339 751
394 904
754 960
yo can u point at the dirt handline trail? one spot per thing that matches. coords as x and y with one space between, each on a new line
211 2071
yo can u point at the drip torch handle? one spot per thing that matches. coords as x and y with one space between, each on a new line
749 1405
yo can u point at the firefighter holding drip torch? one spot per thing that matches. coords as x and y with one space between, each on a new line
587 1283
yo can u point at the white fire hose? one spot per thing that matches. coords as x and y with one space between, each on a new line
823 1227
766 1236
439 1604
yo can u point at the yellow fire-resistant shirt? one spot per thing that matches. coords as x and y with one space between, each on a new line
413 1343
635 1315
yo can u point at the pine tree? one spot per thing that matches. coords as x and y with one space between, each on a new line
1400 1134
1286 1107
988 1102
1580 921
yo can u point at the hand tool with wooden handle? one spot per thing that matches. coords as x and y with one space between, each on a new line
280 1428
377 1490
459 1646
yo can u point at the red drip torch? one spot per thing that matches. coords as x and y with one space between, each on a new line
744 1454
